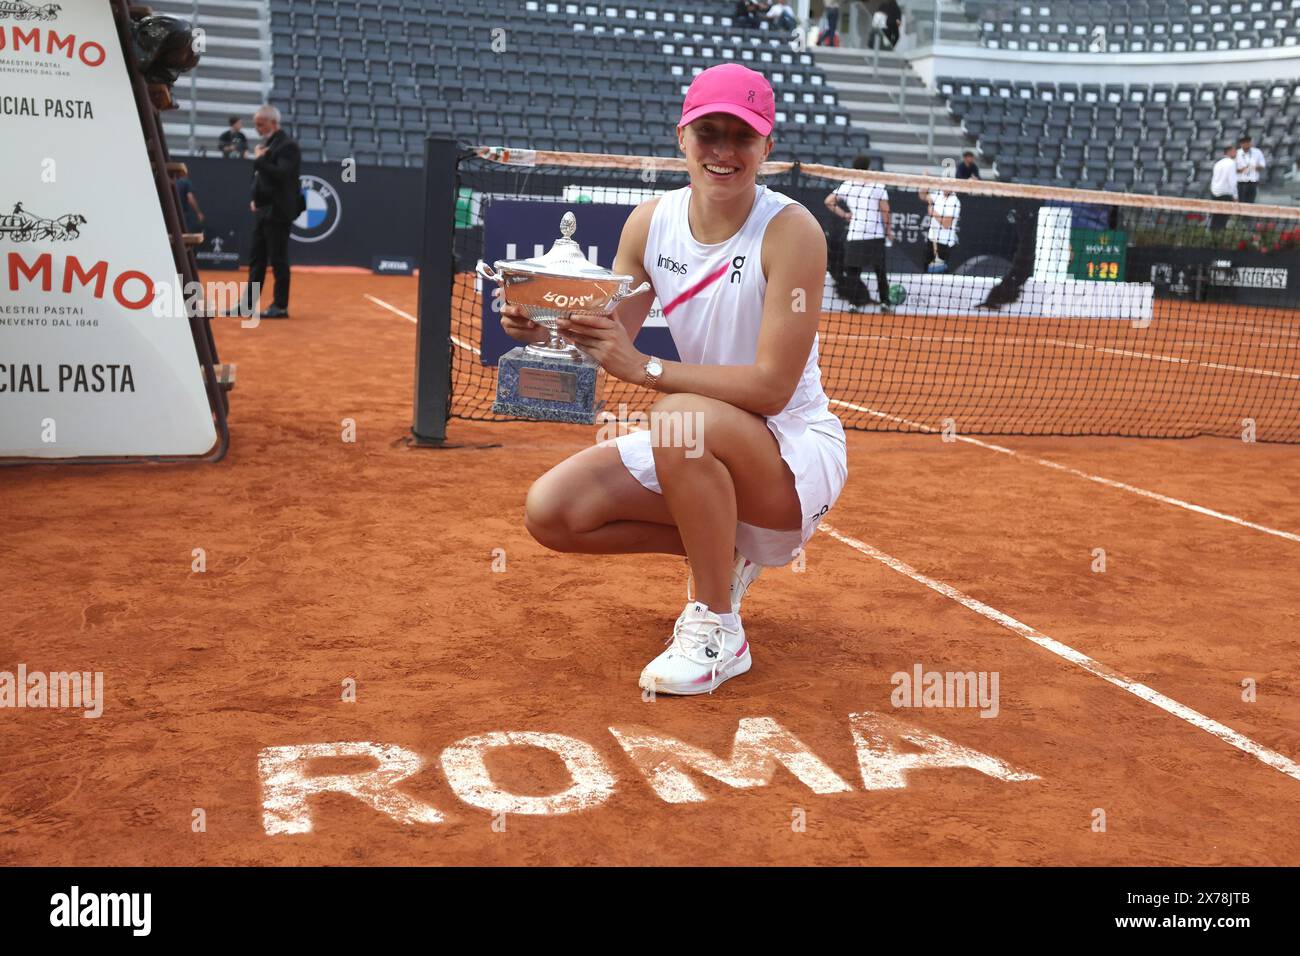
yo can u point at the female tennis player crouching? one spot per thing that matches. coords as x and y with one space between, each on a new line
739 272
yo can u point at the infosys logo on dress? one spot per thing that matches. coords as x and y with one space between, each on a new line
672 265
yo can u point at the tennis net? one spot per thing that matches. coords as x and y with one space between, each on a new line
1010 309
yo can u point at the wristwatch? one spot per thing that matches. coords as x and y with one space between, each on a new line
653 369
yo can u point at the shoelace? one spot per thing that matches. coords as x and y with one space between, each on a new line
688 643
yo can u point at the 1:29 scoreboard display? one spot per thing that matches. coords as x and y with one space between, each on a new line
1098 255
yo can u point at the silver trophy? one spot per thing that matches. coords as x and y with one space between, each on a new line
554 381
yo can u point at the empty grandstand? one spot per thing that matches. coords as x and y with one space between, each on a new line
1150 138
1137 26
371 79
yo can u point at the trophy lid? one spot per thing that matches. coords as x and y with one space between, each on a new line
564 260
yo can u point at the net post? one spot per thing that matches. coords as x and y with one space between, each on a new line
432 404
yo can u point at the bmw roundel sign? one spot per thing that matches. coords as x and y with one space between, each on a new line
323 212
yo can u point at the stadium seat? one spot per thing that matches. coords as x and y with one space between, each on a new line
335 53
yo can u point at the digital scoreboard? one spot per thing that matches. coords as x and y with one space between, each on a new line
1098 255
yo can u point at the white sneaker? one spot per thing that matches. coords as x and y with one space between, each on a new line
702 653
744 573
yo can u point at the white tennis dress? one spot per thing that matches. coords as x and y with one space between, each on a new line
712 298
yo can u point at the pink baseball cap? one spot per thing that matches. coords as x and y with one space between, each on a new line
733 89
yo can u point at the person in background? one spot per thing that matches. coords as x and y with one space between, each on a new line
967 169
944 209
887 21
743 16
1250 168
830 36
1223 183
277 202
782 16
870 227
194 217
233 143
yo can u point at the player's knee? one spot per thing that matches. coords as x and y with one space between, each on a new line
678 403
546 518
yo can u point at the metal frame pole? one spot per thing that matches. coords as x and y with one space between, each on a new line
437 274
194 91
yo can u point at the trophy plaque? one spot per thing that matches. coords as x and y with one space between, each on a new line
554 381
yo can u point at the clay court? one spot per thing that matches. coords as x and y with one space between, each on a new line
1121 690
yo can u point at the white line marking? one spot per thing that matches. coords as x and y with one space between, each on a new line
1131 354
1133 489
1252 371
1079 346
1270 757
410 318
1236 327
1170 358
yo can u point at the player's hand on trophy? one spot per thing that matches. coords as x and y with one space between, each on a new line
519 327
604 338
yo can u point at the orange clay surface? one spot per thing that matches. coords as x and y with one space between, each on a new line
370 561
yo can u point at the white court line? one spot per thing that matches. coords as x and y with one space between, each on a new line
1270 757
1237 327
1253 371
410 318
1080 346
946 339
1109 483
1175 359
1128 353
1004 340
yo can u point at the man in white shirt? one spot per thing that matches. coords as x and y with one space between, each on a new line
1223 183
944 210
864 247
1250 169
782 16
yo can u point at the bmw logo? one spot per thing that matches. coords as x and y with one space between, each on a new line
323 212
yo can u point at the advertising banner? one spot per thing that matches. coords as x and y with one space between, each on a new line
922 294
1241 277
348 207
96 353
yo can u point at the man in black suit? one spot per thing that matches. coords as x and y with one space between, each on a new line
277 202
